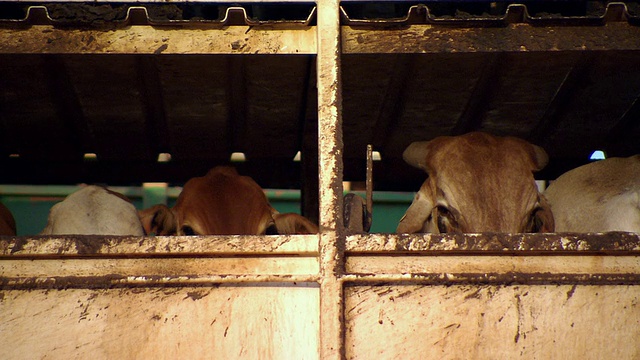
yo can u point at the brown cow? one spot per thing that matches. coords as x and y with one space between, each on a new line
222 203
477 183
7 222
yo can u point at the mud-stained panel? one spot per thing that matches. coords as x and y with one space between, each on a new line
492 322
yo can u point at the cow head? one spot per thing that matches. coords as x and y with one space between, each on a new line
222 203
477 183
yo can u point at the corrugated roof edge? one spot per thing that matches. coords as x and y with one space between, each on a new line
138 14
515 13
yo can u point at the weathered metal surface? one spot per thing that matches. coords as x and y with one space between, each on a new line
330 169
154 41
513 38
74 246
492 322
486 264
159 267
241 322
98 15
500 278
493 14
107 262
496 243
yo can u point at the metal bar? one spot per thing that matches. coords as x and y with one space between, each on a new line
44 39
514 13
159 246
494 264
511 38
496 243
369 189
108 282
498 279
330 181
158 1
191 266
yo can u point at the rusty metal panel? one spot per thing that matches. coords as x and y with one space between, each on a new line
45 39
233 296
492 321
487 296
244 322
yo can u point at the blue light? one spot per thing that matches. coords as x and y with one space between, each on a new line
598 155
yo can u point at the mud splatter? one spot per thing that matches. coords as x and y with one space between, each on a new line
196 295
570 292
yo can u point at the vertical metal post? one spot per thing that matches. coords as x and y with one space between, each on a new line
369 188
330 181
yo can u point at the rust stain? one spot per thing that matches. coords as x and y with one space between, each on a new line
570 292
403 294
474 295
237 45
89 245
160 49
518 306
384 292
456 325
18 245
196 295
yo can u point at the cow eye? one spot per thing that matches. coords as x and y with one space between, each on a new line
188 230
445 220
272 230
535 223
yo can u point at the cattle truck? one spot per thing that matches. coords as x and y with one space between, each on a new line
107 91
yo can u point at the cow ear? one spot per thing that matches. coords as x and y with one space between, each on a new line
418 212
539 157
543 217
291 223
416 154
158 220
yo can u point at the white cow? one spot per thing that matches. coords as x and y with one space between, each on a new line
94 210
598 197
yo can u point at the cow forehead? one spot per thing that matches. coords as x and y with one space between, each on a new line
489 188
222 188
223 202
479 153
